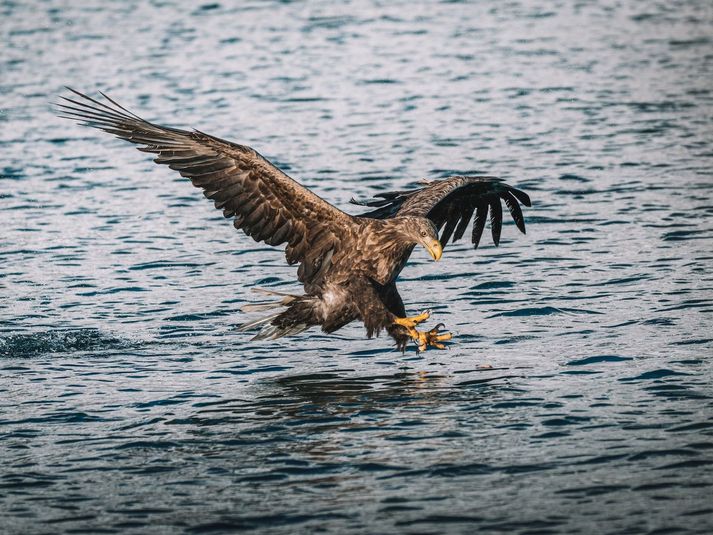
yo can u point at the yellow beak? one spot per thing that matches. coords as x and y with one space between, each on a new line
434 249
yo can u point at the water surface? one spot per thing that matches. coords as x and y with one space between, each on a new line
577 397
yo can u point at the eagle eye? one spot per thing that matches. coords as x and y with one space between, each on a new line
424 233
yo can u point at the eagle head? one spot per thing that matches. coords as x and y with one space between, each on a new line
423 231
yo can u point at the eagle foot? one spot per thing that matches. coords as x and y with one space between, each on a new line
432 338
411 322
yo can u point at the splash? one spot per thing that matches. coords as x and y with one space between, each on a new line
59 341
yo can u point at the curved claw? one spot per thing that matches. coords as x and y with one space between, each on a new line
433 338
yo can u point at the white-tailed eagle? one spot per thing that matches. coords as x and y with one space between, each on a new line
348 264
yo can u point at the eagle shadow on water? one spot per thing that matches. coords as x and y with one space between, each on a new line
348 264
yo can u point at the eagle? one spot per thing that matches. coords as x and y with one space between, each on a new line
348 264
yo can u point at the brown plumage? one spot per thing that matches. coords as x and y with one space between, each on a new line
348 264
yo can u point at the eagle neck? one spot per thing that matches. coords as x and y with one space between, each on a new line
394 246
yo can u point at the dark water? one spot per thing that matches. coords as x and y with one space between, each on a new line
577 397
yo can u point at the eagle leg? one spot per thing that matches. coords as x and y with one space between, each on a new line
411 322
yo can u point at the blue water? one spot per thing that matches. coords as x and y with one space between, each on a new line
577 396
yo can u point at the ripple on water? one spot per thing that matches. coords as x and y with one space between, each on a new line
577 396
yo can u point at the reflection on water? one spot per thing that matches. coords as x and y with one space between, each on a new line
577 396
320 406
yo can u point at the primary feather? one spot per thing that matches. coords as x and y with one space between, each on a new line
265 203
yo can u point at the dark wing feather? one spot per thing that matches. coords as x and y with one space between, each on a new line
451 222
481 214
452 202
515 210
266 203
496 219
465 216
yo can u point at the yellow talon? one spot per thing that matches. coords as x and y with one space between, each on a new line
423 339
435 339
411 322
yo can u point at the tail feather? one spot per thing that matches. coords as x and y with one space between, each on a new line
255 323
298 317
286 300
273 332
273 292
260 307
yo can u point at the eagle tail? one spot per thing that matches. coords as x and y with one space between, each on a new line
273 332
299 316
255 323
285 300
260 307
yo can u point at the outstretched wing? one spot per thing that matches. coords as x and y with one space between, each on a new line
451 203
264 202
